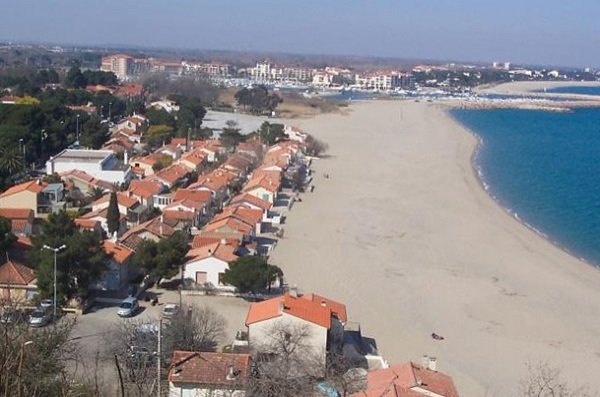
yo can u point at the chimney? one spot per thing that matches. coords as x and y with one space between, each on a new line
432 363
281 305
293 291
425 361
126 157
223 241
210 253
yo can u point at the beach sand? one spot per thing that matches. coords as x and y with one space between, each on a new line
403 233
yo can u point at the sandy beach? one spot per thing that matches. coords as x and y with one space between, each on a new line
403 233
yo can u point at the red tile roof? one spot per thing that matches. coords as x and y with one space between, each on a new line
202 239
118 252
144 188
201 196
16 213
211 369
220 251
249 216
337 309
122 199
31 186
306 309
16 273
245 197
230 223
86 223
407 380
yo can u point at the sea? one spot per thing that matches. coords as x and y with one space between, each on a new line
544 168
580 90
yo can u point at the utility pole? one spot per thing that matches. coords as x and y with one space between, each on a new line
55 250
77 130
158 364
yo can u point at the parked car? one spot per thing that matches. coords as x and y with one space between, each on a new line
40 317
46 303
128 307
11 315
169 311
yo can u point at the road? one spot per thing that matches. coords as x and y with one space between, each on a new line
93 330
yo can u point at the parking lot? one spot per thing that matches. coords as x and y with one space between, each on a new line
92 329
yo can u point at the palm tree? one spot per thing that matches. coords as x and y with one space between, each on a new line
11 161
95 193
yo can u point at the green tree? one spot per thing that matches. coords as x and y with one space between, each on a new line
113 216
161 259
160 117
251 274
7 239
93 133
271 133
11 161
257 99
80 263
231 136
75 78
157 134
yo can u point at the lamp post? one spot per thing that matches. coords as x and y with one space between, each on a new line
55 250
109 110
21 354
77 130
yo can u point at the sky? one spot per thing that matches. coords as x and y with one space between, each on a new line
539 32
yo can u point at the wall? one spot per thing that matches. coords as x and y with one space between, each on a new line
190 390
24 199
212 266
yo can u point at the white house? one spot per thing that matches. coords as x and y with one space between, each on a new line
101 164
207 264
320 318
208 374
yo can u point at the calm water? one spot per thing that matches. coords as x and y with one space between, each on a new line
545 168
575 90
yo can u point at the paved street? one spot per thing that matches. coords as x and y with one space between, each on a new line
93 328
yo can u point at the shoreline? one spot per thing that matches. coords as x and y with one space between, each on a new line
421 231
478 174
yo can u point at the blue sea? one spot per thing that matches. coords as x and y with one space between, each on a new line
544 167
580 90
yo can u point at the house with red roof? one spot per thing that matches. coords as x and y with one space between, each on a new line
17 282
208 374
128 206
207 264
190 212
321 319
21 220
171 176
250 216
26 195
119 268
91 219
154 229
264 187
145 191
408 380
230 227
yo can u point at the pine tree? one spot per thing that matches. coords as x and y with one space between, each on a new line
113 216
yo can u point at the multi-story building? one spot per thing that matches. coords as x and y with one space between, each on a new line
384 81
119 64
209 69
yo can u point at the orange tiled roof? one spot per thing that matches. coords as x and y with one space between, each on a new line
399 379
221 251
201 196
232 223
86 223
207 368
202 239
118 252
31 186
122 199
16 213
305 309
16 273
245 197
172 173
249 216
337 309
145 188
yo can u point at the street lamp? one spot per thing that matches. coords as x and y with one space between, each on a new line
109 110
22 353
55 250
77 130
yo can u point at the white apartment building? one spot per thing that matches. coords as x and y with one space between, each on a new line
101 164
119 64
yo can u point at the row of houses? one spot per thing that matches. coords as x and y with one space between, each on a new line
322 322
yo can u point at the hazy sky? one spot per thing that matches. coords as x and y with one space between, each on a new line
558 32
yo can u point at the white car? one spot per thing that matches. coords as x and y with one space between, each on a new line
40 317
128 307
45 303
169 311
